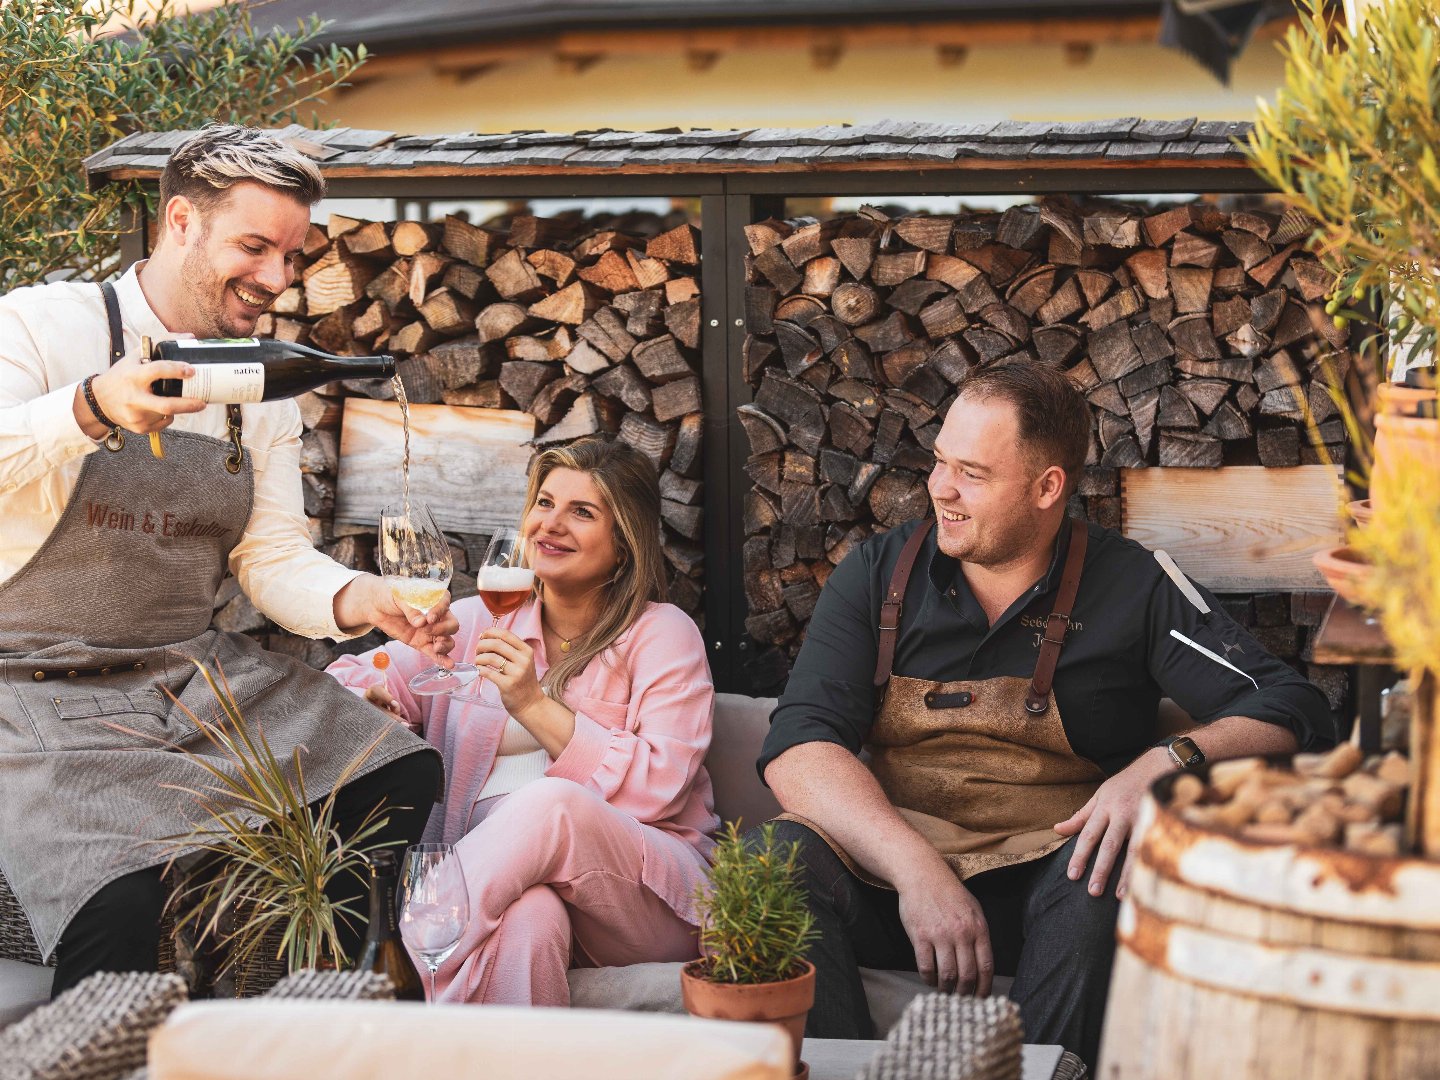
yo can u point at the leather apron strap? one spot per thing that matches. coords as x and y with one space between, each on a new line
895 601
1056 626
112 314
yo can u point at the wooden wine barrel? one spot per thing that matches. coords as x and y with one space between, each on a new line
1245 960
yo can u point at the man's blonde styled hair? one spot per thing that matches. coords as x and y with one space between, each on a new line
219 156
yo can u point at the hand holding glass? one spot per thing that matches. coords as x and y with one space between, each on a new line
414 559
434 904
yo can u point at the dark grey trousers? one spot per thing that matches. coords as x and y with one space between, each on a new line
1046 931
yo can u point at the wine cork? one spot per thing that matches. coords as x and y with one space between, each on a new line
1373 839
1394 768
1335 764
1322 826
1186 791
1384 799
1227 776
1273 812
1276 833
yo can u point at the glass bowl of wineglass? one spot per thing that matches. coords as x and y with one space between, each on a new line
434 904
415 562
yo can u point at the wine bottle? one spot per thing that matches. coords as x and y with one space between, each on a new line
242 370
383 951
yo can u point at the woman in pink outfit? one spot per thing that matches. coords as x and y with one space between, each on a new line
583 817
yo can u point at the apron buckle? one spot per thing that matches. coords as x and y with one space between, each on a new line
232 427
114 440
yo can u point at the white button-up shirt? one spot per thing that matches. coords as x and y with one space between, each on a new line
51 338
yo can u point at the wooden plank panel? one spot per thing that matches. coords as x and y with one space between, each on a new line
468 464
1238 529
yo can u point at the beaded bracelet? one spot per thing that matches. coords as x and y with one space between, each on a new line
94 404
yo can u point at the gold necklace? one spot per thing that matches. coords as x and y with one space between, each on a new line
564 641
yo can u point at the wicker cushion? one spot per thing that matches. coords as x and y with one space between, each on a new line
950 1037
335 986
95 1031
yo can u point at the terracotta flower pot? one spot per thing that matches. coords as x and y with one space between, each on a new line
785 1003
1360 511
1344 571
1415 441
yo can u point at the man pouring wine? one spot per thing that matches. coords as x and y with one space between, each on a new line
103 613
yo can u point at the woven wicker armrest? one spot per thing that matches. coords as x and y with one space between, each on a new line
949 1037
16 940
335 985
96 1031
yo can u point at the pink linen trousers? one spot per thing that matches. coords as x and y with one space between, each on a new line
598 860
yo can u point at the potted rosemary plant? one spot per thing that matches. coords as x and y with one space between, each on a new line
754 932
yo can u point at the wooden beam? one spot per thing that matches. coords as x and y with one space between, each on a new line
1237 529
701 60
952 56
951 34
467 464
577 63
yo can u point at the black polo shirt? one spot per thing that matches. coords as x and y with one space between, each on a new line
1120 655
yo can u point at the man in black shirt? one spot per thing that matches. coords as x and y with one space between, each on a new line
1011 723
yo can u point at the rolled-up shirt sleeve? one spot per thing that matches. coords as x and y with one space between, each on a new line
1213 667
830 696
275 561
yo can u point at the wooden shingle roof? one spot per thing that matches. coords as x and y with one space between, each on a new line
888 144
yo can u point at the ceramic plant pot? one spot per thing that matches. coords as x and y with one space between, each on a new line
1344 571
785 1003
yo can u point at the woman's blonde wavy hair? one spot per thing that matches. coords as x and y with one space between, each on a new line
630 489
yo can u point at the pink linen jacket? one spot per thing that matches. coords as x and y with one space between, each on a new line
643 718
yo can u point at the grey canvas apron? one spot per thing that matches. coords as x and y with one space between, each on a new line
981 768
108 614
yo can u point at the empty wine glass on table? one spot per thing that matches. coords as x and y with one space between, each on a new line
434 904
414 559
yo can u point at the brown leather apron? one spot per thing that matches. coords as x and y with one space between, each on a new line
981 768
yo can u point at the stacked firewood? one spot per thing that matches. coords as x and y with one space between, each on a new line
1198 335
588 325
1335 799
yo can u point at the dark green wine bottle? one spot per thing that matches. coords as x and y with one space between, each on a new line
242 370
383 951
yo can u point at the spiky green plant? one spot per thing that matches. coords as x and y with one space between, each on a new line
754 925
269 853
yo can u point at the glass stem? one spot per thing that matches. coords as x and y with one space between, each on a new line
432 968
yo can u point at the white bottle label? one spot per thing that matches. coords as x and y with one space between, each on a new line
216 343
229 384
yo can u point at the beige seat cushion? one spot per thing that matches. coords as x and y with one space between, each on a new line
364 1040
740 726
23 987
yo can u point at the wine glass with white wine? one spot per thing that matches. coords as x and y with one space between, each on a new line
414 559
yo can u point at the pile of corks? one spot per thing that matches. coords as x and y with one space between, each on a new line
1338 799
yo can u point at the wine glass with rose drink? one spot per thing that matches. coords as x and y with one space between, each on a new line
505 580
414 559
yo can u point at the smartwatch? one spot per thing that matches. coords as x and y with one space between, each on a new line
1183 752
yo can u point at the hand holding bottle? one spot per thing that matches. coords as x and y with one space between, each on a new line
124 394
